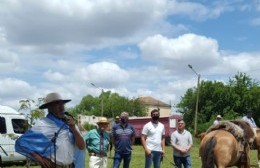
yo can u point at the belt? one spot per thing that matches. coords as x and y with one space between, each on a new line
98 155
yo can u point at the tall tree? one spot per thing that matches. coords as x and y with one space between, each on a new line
230 100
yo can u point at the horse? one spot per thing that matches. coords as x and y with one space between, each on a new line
257 145
227 144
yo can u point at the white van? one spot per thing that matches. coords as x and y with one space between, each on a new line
12 125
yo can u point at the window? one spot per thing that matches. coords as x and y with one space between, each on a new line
20 125
2 125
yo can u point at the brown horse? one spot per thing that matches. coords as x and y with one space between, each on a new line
257 145
226 145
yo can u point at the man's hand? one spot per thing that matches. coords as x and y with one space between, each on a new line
184 151
163 153
147 152
44 162
71 122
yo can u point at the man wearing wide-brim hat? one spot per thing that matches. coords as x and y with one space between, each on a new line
54 139
97 141
217 120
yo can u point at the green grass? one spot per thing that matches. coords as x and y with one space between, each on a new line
138 158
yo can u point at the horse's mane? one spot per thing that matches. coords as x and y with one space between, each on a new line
240 129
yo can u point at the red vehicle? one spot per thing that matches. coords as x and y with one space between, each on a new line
170 124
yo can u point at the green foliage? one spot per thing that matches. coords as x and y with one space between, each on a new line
34 113
230 100
89 126
113 105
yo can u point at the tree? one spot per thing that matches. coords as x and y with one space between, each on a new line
230 100
34 114
113 105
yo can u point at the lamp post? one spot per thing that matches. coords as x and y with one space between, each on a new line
102 101
197 100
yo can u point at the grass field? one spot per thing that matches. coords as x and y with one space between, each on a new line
138 158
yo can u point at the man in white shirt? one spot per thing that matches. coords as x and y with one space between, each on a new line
249 119
181 141
153 140
218 119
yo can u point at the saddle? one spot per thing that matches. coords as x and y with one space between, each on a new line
240 129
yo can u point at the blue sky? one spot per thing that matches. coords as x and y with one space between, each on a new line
135 48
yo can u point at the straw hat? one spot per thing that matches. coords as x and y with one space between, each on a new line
219 116
102 120
52 97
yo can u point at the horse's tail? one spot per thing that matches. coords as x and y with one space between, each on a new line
208 153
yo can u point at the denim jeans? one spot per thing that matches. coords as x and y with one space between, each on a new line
186 161
155 157
118 158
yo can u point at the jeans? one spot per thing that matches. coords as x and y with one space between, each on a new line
118 158
186 161
155 157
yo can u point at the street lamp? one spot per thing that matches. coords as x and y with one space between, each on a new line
197 100
102 101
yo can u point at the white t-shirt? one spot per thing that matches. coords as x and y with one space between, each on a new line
154 133
182 140
250 121
216 122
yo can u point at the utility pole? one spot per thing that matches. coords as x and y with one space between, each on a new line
197 100
102 101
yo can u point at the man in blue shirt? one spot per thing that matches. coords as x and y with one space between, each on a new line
123 135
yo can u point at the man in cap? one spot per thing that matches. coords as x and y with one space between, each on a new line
97 141
249 119
218 119
53 140
117 120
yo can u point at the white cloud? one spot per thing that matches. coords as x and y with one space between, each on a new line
183 50
66 22
135 48
12 90
255 22
198 11
8 61
108 73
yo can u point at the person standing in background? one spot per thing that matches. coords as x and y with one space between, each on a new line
153 140
249 119
123 136
97 141
117 120
181 141
218 119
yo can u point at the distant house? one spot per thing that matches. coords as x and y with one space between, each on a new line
151 103
82 119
